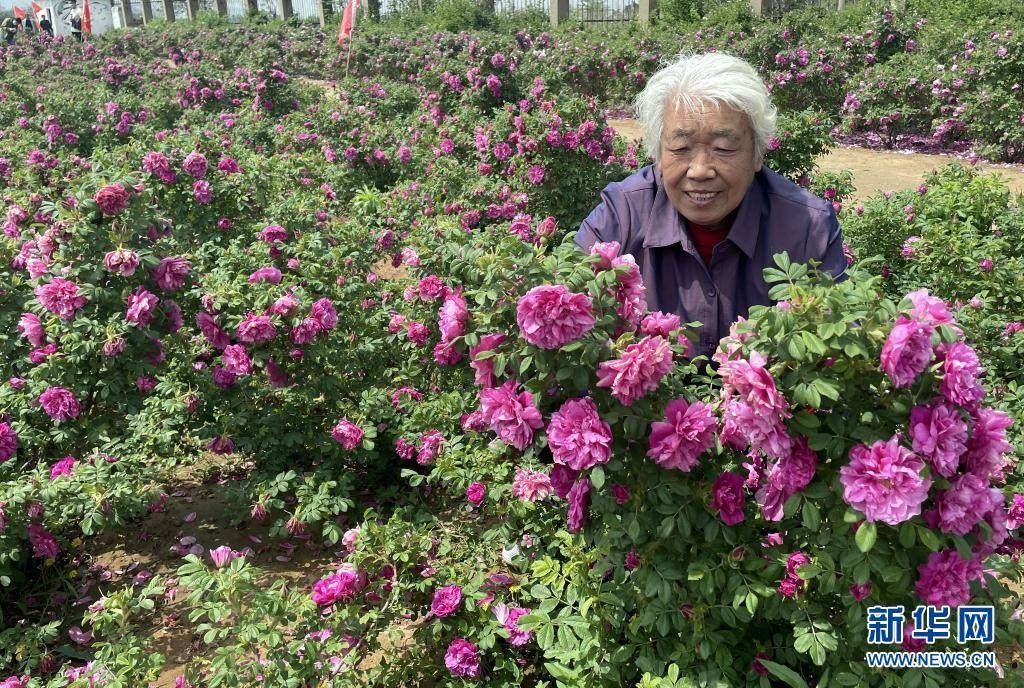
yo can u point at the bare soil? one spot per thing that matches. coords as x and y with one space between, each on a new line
197 514
874 171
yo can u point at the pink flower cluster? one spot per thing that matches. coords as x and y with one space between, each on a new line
754 410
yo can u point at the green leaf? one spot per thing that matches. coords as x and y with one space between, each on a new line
907 536
812 517
784 674
928 538
866 536
597 477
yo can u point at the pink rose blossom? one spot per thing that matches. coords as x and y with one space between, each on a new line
630 292
141 307
533 486
266 274
578 437
217 337
562 478
659 324
968 500
453 316
511 415
929 310
195 165
324 313
754 411
638 371
256 329
462 658
960 372
112 199
987 444
44 545
475 493
236 360
579 496
786 477
608 251
8 442
59 403
61 297
939 434
121 262
884 482
170 272
945 579
63 467
446 601
687 432
551 316
347 434
508 617
727 498
484 367
431 288
907 351
32 329
285 305
341 586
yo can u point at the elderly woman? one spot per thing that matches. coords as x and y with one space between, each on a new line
706 218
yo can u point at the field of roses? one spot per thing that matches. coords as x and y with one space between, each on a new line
348 290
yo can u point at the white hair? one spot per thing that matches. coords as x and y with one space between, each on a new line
693 82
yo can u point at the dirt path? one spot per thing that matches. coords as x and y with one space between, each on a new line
196 515
874 171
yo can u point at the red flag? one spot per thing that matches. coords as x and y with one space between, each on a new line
19 13
86 18
36 8
348 20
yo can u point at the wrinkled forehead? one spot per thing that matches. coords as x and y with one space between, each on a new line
693 117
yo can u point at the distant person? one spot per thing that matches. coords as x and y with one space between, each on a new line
30 27
10 29
46 27
76 25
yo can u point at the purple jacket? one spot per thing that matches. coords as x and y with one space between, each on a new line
776 215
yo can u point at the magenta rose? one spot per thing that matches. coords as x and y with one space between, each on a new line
112 199
446 600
